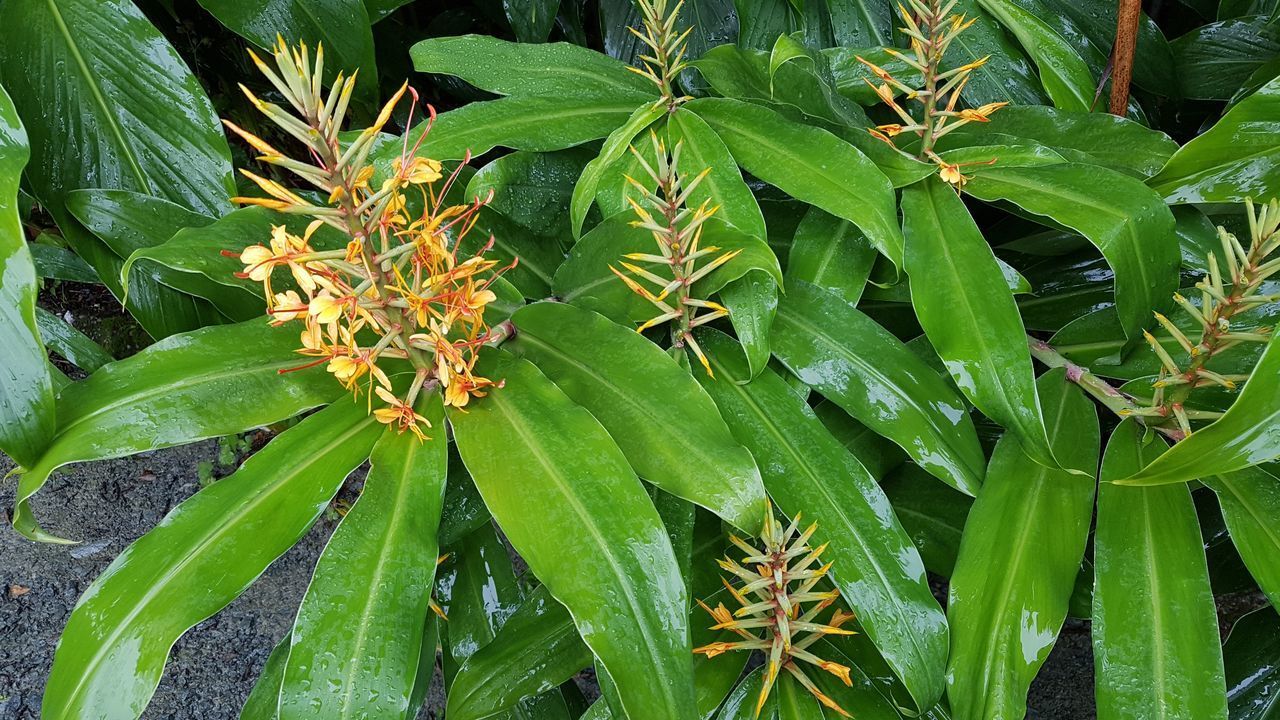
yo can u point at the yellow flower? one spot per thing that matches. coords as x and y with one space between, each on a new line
399 413
420 170
287 306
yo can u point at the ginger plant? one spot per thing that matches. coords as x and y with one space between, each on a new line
400 288
677 231
779 596
931 28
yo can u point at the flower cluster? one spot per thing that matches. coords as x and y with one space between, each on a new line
931 28
779 597
397 288
1221 299
677 230
667 47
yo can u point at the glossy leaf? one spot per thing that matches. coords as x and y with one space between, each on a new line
1214 60
126 221
74 346
1155 630
1153 65
1252 659
59 263
809 164
666 426
1236 158
341 26
552 70
208 383
703 150
205 553
1065 76
1248 434
26 390
1250 505
968 313
478 590
752 302
858 365
1096 138
531 20
1009 75
536 650
358 636
532 189
1130 226
932 513
614 148
596 542
1021 551
534 123
108 103
807 470
831 253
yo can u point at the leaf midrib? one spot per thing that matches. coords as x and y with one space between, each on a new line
112 122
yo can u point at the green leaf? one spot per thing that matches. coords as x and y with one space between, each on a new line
126 221
967 310
614 148
1252 660
795 702
200 558
809 164
341 26
1065 76
539 256
1247 435
858 365
109 103
807 470
193 256
531 20
1096 138
933 515
26 388
553 70
74 346
536 650
831 253
1019 557
1214 60
752 301
532 189
1154 621
357 639
478 590
1153 62
702 150
534 123
666 426
59 263
585 279
1008 76
1130 226
596 542
208 383
264 698
1237 158
1250 504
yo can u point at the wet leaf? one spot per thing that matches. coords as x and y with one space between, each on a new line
1020 554
858 365
1155 630
200 558
596 542
808 471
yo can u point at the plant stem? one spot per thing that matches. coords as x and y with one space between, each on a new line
1122 55
1102 391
